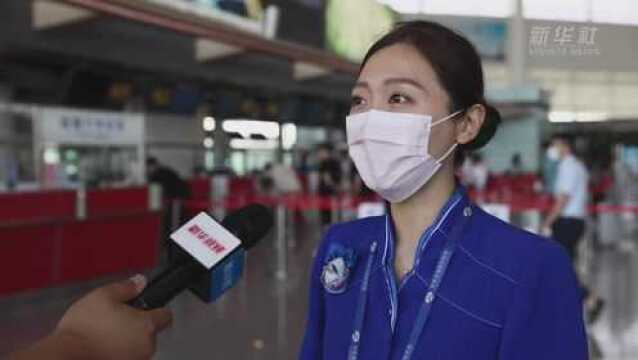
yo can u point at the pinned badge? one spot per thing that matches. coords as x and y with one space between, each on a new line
337 269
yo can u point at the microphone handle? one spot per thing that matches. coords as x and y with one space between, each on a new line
167 285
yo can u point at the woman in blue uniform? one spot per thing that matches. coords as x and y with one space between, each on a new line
436 278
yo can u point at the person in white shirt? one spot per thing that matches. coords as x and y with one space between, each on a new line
475 174
566 220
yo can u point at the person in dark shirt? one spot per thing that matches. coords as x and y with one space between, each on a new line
173 187
174 191
330 176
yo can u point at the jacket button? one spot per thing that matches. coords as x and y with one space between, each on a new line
467 211
356 336
429 297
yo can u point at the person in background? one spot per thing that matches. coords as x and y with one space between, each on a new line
566 220
284 179
301 162
359 187
480 171
516 165
347 170
173 186
475 173
174 191
12 170
330 176
101 326
550 169
265 182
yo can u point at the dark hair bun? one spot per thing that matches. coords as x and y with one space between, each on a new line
488 130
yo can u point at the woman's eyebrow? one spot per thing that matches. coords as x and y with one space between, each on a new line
390 81
405 81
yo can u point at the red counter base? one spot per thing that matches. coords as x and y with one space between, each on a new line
38 254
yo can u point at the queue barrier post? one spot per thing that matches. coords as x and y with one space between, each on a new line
154 197
220 185
80 203
282 248
176 213
294 207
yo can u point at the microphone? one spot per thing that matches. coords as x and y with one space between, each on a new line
210 257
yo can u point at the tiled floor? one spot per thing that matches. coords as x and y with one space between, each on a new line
263 318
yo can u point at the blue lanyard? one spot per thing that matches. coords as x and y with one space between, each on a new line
353 352
437 278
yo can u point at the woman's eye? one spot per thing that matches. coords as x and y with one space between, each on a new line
356 101
399 99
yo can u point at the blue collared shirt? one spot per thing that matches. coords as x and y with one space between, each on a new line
507 294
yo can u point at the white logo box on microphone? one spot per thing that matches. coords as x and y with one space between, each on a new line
205 240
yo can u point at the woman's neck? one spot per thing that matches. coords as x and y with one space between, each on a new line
414 215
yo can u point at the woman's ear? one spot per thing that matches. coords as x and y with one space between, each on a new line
469 126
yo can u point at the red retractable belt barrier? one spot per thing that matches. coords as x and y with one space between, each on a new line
517 202
543 203
242 185
199 188
614 209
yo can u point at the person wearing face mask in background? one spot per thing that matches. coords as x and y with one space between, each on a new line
436 277
330 176
476 174
565 222
550 168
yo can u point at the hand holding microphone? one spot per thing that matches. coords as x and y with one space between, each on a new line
101 326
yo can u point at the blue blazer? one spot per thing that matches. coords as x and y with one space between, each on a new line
506 294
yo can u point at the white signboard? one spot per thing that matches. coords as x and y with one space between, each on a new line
82 127
206 240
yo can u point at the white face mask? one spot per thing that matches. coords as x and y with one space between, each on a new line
553 153
390 151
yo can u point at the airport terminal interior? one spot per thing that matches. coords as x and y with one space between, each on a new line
120 120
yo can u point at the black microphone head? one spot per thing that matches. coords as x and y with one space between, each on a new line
250 224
